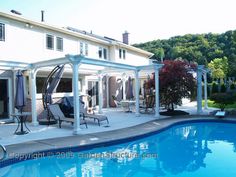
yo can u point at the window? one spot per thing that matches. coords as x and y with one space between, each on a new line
86 49
100 52
81 48
2 32
59 44
104 53
50 42
65 85
122 53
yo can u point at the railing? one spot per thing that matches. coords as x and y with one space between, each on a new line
4 152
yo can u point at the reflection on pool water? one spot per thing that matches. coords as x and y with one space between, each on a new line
196 150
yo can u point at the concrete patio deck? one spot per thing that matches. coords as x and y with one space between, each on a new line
122 126
118 119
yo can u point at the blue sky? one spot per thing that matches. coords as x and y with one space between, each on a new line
145 20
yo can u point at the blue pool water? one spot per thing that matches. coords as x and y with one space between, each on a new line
188 150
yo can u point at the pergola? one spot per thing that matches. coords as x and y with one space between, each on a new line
76 62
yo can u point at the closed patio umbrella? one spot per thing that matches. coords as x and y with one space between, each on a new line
20 94
129 90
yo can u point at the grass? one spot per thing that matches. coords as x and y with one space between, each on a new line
211 103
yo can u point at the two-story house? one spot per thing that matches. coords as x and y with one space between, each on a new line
24 42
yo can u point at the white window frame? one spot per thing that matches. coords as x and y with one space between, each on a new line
81 45
3 26
49 35
86 49
100 52
104 52
122 53
59 39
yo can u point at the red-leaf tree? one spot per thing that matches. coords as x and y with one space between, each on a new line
176 82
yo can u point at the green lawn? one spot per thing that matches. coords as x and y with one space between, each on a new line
214 105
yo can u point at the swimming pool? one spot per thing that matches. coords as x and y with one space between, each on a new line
188 150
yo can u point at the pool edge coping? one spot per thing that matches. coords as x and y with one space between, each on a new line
105 140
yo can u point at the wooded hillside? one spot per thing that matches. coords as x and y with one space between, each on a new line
200 48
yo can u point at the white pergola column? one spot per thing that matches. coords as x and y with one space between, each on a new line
205 89
75 61
199 88
107 90
14 95
100 93
157 96
33 73
123 85
137 85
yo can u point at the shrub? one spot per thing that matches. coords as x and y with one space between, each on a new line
223 88
214 88
223 99
232 86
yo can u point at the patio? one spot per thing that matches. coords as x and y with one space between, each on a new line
117 117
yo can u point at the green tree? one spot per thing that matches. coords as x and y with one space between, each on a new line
219 67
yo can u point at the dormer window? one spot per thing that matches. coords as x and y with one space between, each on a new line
2 32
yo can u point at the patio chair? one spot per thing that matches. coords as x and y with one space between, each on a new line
148 104
96 117
117 103
58 115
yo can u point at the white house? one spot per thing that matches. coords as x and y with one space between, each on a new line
24 42
95 65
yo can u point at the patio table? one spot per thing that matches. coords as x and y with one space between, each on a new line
21 119
127 104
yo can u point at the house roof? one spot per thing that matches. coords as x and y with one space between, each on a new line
77 33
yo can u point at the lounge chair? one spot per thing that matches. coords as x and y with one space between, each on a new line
58 115
96 117
148 104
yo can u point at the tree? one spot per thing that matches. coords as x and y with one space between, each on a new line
176 82
219 67
200 48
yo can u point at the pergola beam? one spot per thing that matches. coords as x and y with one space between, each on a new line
14 65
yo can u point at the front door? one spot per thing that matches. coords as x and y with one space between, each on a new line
4 99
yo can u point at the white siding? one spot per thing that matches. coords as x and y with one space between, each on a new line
131 58
27 43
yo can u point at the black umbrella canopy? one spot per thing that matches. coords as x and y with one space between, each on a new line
20 92
54 83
